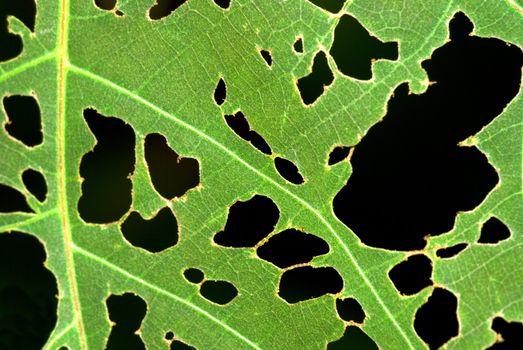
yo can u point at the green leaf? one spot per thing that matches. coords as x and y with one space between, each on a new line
159 76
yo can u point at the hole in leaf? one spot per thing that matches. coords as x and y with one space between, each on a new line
350 310
339 154
24 119
409 176
127 311
153 235
441 306
11 201
35 183
238 123
108 5
107 188
412 275
169 335
218 292
354 50
298 45
193 275
248 222
288 170
163 8
333 6
220 93
493 231
179 345
311 87
266 55
28 290
353 338
291 247
307 282
449 252
224 4
511 334
25 11
171 175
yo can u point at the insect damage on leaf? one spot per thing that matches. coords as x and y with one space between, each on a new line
35 183
127 312
24 122
12 43
313 85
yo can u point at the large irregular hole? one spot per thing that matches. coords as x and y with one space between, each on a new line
291 247
194 275
298 45
24 121
493 231
11 201
333 6
248 223
28 293
106 170
154 235
127 312
25 11
224 4
353 338
35 183
449 252
218 292
510 335
311 86
409 176
105 4
350 310
239 124
220 92
171 175
267 57
307 282
412 275
288 170
339 154
179 345
163 8
354 50
441 307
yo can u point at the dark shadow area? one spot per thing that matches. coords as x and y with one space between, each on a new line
224 4
28 293
171 175
339 154
25 11
218 292
412 275
436 321
108 5
410 177
291 247
12 201
350 310
353 338
449 252
179 345
106 170
127 311
510 333
298 45
288 170
307 282
163 8
35 183
153 235
239 124
220 92
24 120
248 222
266 55
493 231
194 275
354 49
333 6
313 85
